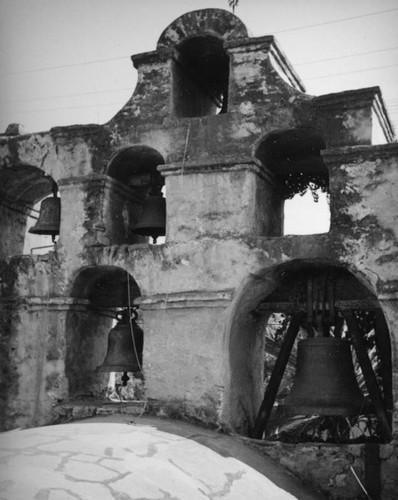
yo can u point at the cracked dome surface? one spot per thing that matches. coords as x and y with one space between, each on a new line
120 461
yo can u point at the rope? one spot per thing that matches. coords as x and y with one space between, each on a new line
134 344
185 148
352 468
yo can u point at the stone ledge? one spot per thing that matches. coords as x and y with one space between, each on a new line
348 98
220 164
77 411
50 303
95 181
184 300
359 154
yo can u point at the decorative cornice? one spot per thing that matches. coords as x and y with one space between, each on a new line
347 99
49 303
99 181
384 120
153 57
183 300
77 130
358 154
5 139
85 179
369 97
252 43
220 164
388 297
268 44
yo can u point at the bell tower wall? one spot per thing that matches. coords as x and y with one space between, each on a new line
220 199
225 163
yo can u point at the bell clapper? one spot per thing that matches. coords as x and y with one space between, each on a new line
125 379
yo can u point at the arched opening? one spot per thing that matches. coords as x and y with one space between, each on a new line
43 224
95 365
293 156
136 168
200 77
22 191
291 304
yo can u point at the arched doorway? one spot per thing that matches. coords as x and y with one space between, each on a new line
276 310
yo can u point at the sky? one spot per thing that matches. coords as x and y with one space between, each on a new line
68 62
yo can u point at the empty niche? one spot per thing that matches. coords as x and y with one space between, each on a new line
294 158
200 71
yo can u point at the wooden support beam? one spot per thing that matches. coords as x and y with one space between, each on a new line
368 374
293 307
276 377
384 348
372 471
310 311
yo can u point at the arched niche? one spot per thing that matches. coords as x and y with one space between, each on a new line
99 293
22 189
302 179
136 168
257 346
200 70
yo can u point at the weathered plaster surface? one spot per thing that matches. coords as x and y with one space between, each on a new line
111 459
331 470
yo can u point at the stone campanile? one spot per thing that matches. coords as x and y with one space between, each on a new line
220 123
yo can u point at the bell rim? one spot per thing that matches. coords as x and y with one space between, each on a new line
153 231
44 231
117 368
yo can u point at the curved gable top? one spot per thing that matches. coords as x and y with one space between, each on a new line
217 21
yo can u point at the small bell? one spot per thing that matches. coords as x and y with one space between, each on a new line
124 348
325 381
49 218
153 220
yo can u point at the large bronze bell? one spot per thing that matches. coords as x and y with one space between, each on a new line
123 354
153 220
325 382
49 217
